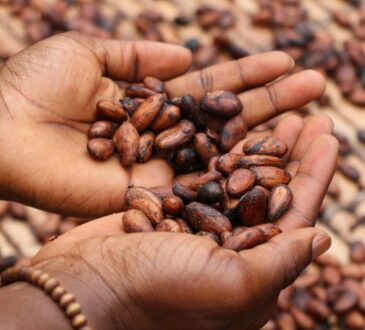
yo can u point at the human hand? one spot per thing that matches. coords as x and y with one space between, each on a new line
48 95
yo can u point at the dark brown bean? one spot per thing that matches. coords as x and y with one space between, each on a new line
349 171
101 129
99 148
227 163
205 148
210 193
268 146
317 309
253 207
269 176
173 205
191 110
239 182
279 202
234 130
130 105
145 148
357 252
168 116
185 160
126 140
111 110
221 103
260 160
138 90
185 193
204 178
248 238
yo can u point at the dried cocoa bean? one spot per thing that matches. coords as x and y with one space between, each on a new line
260 160
168 225
185 160
173 205
204 218
279 201
269 176
317 309
186 194
99 148
247 239
221 103
131 105
185 228
238 230
134 221
353 271
253 207
331 275
234 130
126 140
357 252
355 320
191 110
145 148
101 129
239 182
345 302
162 192
210 193
210 236
319 292
111 110
227 163
303 320
146 112
264 190
349 171
145 201
175 136
168 116
154 84
205 148
138 90
269 230
225 236
204 178
268 146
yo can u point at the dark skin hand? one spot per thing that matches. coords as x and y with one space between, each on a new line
154 280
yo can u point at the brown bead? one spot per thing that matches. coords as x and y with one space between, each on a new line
73 309
58 292
43 279
79 321
35 275
50 285
67 299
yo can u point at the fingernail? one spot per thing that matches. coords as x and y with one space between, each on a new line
293 63
320 244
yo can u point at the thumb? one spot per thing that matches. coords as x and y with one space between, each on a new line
277 263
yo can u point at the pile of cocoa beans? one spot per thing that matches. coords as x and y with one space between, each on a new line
328 295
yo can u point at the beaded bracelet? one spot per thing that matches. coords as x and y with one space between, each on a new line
51 286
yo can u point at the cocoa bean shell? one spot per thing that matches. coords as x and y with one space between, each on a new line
134 221
173 205
126 140
253 207
221 103
145 148
100 148
227 163
268 145
270 176
234 130
279 202
168 116
239 182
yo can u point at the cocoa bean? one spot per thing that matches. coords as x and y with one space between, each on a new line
345 302
162 192
361 135
234 130
238 230
225 236
345 77
175 136
145 201
355 320
210 193
101 129
357 252
269 230
168 116
221 103
110 110
227 163
317 309
268 146
210 236
349 171
154 84
184 227
319 292
191 110
286 321
205 148
331 275
247 239
185 160
303 320
204 218
138 90
204 178
168 225
145 148
279 201
146 112
260 160
131 105
269 176
212 135
126 140
353 271
134 221
173 205
253 207
264 190
239 182
185 193
99 148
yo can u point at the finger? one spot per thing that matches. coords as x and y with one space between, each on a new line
264 103
234 76
311 182
134 60
277 263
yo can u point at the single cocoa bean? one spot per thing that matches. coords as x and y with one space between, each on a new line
349 171
168 225
247 239
279 201
146 112
210 193
168 116
111 110
145 201
154 84
345 302
264 190
205 148
269 230
173 205
175 136
353 271
345 77
221 103
185 193
234 130
239 182
101 129
138 90
238 230
185 160
357 252
126 140
355 320
99 148
331 275
303 320
204 218
185 228
227 163
210 236
131 105
317 309
260 160
145 148
319 292
134 221
191 110
268 146
204 178
253 207
269 176
162 192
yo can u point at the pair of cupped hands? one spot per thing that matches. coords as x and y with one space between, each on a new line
48 94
